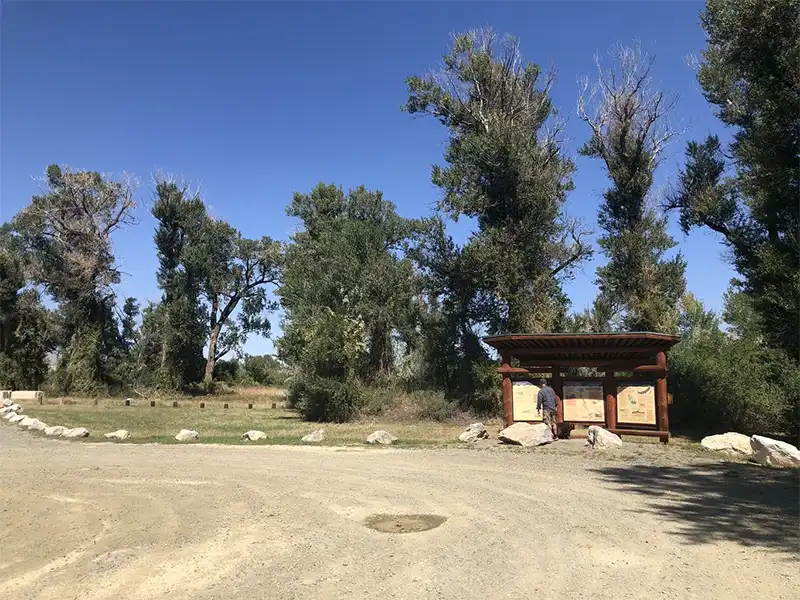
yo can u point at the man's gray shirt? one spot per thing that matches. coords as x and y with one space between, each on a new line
546 399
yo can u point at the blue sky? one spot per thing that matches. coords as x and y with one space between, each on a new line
257 100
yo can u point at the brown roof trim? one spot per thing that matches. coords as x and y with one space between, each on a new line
574 343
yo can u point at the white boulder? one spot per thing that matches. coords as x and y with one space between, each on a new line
75 432
599 438
526 434
315 436
7 401
774 453
26 421
36 425
56 430
473 433
381 437
254 435
731 441
17 418
8 416
187 435
119 434
11 408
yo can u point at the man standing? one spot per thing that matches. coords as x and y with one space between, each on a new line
546 403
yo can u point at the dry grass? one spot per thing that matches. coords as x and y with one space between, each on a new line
218 425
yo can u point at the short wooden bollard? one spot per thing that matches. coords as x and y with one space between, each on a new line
127 402
202 405
225 405
152 403
274 405
249 406
175 404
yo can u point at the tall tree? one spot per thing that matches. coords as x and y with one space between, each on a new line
347 291
629 124
507 169
176 328
749 71
234 272
66 238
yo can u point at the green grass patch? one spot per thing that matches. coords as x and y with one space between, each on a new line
226 426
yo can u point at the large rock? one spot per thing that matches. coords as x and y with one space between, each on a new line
119 434
56 430
8 416
315 436
75 432
17 418
774 453
473 433
254 435
381 437
26 421
11 408
733 442
36 425
599 438
526 434
187 435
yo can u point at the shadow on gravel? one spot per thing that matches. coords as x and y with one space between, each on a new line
743 503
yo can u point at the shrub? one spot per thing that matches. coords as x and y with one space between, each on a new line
733 384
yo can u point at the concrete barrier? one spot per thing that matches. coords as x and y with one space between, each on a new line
27 396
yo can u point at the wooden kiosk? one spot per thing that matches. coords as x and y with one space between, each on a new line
625 405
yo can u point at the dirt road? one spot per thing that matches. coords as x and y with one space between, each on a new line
95 521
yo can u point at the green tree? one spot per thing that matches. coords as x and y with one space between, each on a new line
629 124
264 370
748 193
25 325
507 169
65 237
345 278
233 273
176 329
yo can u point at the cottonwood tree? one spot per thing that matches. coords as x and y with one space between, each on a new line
506 168
347 290
65 235
234 272
213 283
630 127
748 192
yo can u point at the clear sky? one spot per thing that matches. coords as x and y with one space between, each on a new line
257 100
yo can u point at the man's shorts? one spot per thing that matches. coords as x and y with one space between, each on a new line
549 417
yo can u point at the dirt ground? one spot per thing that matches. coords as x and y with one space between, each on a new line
92 521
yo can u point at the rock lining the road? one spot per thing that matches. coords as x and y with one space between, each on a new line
598 438
381 437
187 435
526 434
317 435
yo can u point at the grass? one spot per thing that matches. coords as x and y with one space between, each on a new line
219 425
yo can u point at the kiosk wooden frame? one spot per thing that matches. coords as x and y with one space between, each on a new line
642 353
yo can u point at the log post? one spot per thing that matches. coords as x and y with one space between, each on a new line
662 413
610 393
508 391
558 388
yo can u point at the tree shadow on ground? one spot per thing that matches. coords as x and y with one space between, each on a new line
738 502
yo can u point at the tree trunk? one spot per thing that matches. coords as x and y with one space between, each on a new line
212 351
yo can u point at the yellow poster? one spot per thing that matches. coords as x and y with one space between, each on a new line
583 402
636 403
524 403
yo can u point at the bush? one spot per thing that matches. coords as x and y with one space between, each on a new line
733 384
327 399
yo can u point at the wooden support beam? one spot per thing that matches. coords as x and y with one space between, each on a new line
610 394
523 370
662 412
508 390
558 388
580 352
642 432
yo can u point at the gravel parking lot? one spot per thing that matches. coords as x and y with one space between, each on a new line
92 521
